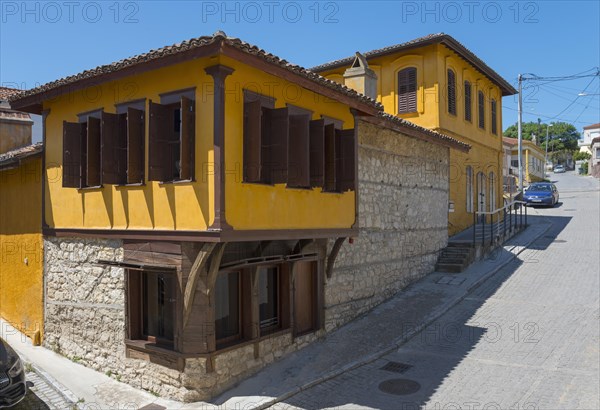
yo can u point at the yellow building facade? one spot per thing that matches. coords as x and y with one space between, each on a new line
437 83
534 159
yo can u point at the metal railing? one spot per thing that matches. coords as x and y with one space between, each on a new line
498 222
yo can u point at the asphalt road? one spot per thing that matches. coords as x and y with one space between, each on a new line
528 338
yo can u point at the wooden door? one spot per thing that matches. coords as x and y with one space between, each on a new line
304 297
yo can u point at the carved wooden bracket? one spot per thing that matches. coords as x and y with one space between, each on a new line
213 270
197 271
333 255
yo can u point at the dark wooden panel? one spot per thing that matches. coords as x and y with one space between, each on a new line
330 156
317 153
187 137
93 152
345 162
252 140
162 247
134 304
72 133
135 146
298 168
304 297
110 148
275 145
158 149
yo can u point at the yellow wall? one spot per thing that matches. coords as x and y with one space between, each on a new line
188 206
432 62
530 151
21 261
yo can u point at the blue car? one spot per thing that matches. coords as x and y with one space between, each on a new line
541 193
13 386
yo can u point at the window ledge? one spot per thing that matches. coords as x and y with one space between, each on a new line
137 184
90 188
144 350
177 182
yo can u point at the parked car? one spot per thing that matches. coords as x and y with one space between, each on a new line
13 386
559 169
541 193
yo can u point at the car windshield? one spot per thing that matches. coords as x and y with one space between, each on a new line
543 188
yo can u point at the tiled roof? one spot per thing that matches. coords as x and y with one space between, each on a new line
6 92
14 156
591 127
7 113
449 41
189 45
510 141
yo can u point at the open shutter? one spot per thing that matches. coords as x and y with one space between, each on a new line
110 148
158 149
298 169
187 134
135 146
317 153
275 145
345 160
93 152
330 156
252 140
72 136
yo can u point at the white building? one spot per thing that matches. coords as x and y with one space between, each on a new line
589 133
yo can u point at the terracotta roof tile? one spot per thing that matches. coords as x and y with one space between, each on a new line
6 92
591 127
18 154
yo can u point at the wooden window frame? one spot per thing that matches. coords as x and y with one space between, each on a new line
468 91
407 90
162 160
239 337
451 91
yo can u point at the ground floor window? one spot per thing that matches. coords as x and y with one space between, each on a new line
268 304
228 314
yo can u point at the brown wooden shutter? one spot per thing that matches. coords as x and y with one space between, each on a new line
110 152
135 146
494 125
93 152
468 109
345 161
252 141
330 163
451 92
481 105
158 148
407 90
72 136
275 145
187 137
317 153
298 169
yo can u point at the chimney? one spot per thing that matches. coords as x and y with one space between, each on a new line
15 129
361 78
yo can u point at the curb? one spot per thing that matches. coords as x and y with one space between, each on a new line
65 393
404 338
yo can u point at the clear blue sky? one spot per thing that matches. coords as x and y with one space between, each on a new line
44 41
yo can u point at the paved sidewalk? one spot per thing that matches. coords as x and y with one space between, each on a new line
362 341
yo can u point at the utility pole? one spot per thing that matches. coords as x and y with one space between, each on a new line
546 156
520 136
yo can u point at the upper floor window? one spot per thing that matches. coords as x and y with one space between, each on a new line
171 139
481 109
407 90
494 117
468 102
283 146
104 148
451 92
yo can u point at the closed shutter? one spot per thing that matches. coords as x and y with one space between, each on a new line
298 169
110 152
481 105
345 161
187 136
330 156
275 145
135 146
93 152
317 153
468 109
252 141
158 149
494 125
72 154
407 90
451 92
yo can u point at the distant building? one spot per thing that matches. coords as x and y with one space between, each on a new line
533 160
589 133
595 160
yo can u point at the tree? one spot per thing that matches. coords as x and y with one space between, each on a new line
562 136
581 156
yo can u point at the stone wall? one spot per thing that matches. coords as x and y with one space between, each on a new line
403 217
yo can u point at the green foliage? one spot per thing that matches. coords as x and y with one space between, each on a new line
585 168
581 156
562 136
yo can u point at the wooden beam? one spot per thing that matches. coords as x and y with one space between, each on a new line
213 271
190 288
333 254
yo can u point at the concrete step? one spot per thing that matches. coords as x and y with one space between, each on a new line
450 267
454 261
